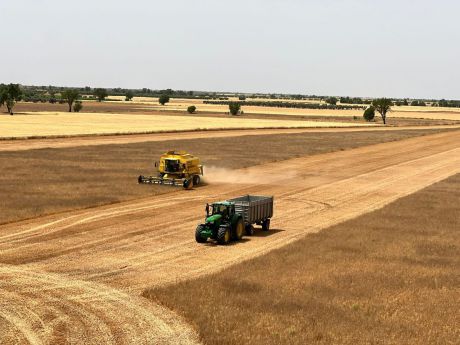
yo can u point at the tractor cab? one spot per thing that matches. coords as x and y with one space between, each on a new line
224 209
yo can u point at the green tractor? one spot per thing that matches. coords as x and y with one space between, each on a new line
222 224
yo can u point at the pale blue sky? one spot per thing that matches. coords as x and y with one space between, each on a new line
329 47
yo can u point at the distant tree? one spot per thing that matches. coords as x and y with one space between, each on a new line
70 96
234 108
414 103
9 95
405 102
242 98
383 106
77 106
191 109
331 100
129 96
369 113
163 99
100 94
398 103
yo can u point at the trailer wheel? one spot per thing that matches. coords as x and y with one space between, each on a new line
198 237
249 230
239 230
196 180
266 225
223 235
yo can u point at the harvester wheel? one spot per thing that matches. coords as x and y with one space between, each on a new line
223 235
266 225
196 180
239 230
198 237
188 184
249 230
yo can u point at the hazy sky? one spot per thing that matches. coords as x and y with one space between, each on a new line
330 47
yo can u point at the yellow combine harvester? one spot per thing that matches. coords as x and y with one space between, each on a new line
176 169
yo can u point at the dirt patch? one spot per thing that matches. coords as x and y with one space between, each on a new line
387 277
37 182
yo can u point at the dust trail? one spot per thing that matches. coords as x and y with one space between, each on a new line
215 175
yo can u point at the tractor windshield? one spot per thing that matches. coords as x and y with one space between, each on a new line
219 209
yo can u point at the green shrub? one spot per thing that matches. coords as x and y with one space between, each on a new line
163 99
77 106
191 109
234 108
369 114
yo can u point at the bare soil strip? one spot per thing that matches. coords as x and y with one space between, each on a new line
147 243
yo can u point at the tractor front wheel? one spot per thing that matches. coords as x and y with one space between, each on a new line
239 230
198 236
223 235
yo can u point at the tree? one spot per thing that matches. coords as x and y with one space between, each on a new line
369 113
383 106
163 99
332 100
129 96
191 109
100 94
234 108
9 95
77 106
242 98
70 96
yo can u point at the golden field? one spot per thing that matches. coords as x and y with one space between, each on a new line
31 124
179 104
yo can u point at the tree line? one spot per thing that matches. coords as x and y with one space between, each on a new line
281 104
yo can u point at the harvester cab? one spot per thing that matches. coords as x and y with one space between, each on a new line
176 169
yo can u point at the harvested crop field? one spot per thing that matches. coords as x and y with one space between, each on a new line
136 246
405 115
388 277
58 124
37 182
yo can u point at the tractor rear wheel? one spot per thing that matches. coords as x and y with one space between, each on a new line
224 235
198 237
196 180
239 230
249 230
266 225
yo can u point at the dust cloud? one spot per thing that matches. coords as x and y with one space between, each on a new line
241 176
